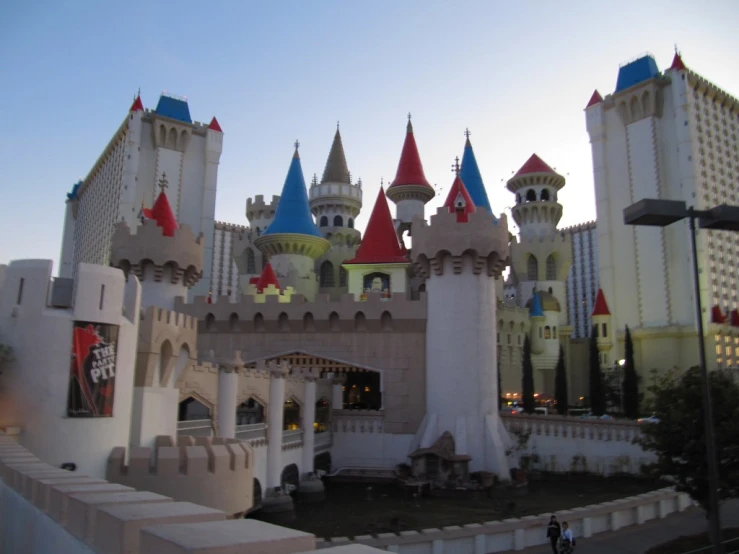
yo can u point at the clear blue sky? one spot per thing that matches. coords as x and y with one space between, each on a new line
518 74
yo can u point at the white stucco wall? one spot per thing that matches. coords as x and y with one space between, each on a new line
371 450
35 388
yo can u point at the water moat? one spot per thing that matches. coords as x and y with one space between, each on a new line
353 509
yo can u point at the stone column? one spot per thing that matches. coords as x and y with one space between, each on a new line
311 487
309 417
337 392
228 388
275 421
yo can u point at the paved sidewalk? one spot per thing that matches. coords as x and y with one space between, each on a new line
637 539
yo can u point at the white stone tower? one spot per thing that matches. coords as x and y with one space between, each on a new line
461 253
410 191
542 256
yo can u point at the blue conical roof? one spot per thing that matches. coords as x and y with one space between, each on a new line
293 212
472 179
535 309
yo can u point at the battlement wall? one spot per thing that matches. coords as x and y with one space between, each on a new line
324 313
214 472
586 226
259 210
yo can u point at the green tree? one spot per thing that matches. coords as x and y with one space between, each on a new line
527 380
630 385
597 394
678 438
560 384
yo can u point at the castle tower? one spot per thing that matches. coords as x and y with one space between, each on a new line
259 213
292 241
461 261
381 264
542 256
335 201
471 177
410 191
545 311
603 323
167 258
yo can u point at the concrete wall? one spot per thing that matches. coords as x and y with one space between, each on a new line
35 388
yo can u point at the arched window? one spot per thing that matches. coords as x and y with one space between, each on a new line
547 332
333 321
327 274
360 322
338 221
343 277
210 321
258 322
249 413
283 322
309 323
544 195
233 322
251 264
324 221
386 321
530 195
532 268
350 223
551 268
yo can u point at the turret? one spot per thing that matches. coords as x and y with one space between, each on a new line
542 255
335 201
461 253
410 191
259 213
166 257
471 177
602 321
292 241
381 263
544 311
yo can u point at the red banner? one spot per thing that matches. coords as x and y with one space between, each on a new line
93 367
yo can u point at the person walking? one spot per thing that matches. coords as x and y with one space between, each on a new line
568 539
553 533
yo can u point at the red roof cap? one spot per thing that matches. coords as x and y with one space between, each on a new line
267 278
214 125
410 170
161 212
601 306
459 201
717 315
137 105
595 99
380 244
534 165
735 318
677 62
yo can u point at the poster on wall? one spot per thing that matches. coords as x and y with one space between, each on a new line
92 373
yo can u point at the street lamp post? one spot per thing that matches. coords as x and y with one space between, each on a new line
661 213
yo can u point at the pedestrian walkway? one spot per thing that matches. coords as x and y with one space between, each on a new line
637 539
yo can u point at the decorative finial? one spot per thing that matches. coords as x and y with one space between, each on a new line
139 94
409 116
455 166
163 182
382 181
676 51
297 144
337 125
467 133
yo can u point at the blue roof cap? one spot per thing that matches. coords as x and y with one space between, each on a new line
636 72
75 189
535 309
174 108
293 211
472 179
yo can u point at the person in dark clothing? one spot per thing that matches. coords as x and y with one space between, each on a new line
553 532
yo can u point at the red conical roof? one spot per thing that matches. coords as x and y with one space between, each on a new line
677 62
459 201
214 125
137 105
267 278
601 306
534 165
380 244
161 212
410 170
595 99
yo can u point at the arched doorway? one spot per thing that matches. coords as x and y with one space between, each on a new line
291 415
322 462
250 412
362 391
194 418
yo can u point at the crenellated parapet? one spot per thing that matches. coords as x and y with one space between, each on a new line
214 472
260 213
344 313
167 347
482 239
147 247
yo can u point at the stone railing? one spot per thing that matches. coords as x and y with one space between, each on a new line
290 437
357 421
322 441
573 427
518 534
195 428
251 431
